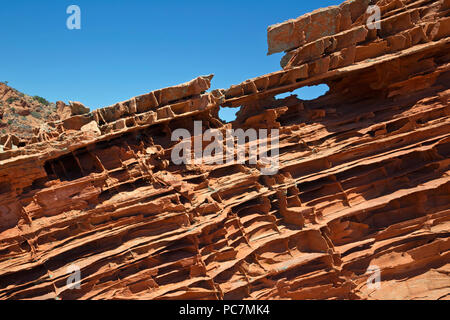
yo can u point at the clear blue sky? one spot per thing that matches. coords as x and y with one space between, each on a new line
127 48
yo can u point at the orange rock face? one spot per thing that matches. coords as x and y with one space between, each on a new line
362 191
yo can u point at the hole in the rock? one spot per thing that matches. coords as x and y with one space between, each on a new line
48 169
88 162
130 122
5 187
443 149
39 183
225 171
196 180
306 93
70 166
228 114
63 168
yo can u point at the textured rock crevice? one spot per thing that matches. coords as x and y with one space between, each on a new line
364 178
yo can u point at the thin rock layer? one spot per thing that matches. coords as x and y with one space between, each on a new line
364 178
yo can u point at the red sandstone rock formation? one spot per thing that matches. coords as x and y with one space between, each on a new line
364 178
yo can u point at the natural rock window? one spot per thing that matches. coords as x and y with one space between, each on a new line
307 92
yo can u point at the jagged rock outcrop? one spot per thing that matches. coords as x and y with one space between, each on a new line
73 109
364 178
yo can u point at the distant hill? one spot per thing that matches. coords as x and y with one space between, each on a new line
20 113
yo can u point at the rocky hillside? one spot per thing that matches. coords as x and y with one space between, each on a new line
22 116
20 113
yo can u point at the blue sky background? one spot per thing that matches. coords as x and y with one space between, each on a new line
127 48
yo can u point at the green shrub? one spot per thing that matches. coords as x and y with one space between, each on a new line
41 100
24 126
11 100
37 115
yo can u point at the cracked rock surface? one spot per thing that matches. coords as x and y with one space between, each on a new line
364 178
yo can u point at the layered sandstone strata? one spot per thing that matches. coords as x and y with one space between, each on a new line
363 180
